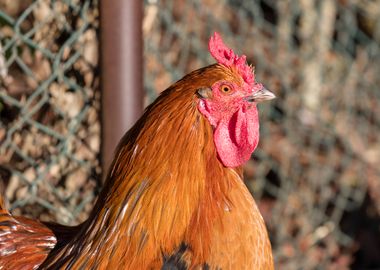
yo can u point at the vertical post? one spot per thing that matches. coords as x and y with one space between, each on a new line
121 70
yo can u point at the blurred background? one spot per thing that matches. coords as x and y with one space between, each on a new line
316 172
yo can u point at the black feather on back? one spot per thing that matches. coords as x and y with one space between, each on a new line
176 260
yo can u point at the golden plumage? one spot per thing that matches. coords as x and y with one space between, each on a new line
168 200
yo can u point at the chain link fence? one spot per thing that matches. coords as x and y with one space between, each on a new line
49 107
315 174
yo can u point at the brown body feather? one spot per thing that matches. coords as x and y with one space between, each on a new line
24 243
168 200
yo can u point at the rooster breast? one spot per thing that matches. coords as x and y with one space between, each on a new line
240 239
227 232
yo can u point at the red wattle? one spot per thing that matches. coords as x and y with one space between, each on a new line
237 137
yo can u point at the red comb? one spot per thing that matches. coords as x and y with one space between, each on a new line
226 56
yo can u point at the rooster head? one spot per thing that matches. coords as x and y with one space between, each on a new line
229 104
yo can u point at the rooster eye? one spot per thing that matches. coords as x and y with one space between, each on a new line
225 89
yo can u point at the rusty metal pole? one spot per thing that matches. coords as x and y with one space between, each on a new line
121 70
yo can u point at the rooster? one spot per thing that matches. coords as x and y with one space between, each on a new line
174 197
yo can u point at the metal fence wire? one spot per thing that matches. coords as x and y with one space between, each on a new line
315 174
49 106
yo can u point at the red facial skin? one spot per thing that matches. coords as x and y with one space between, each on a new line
235 121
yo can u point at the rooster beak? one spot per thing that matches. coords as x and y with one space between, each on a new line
260 96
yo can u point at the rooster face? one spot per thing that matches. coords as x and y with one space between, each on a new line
231 110
224 98
230 104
